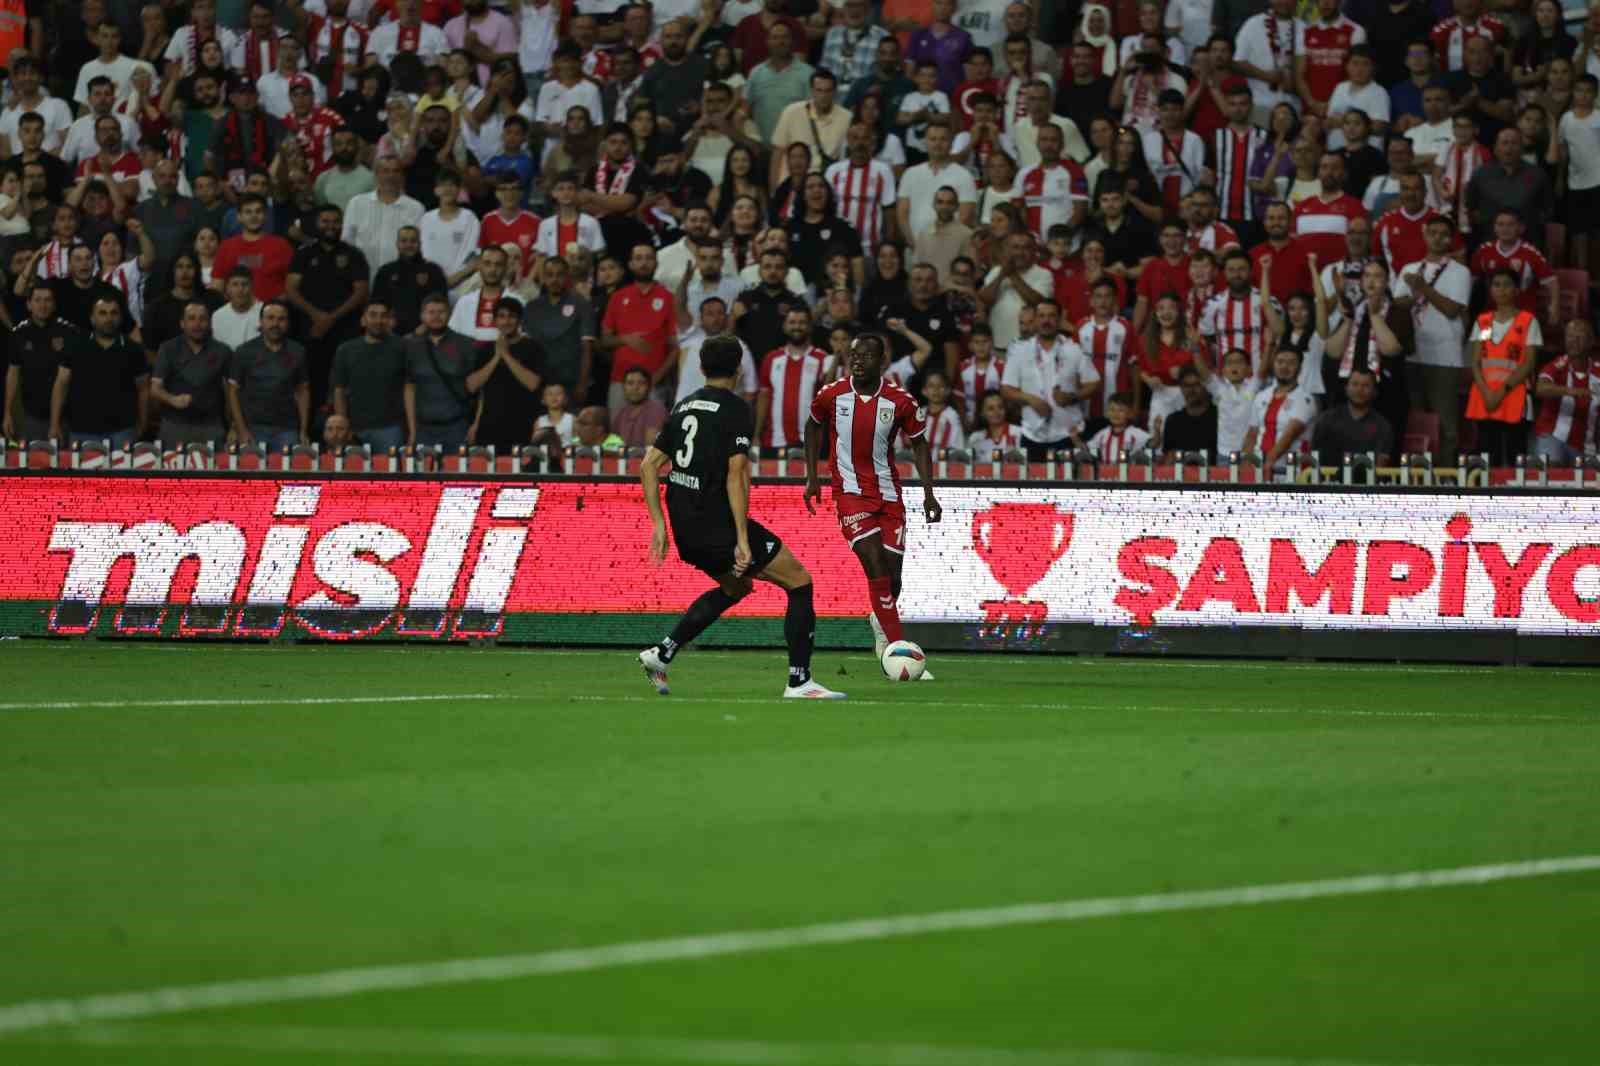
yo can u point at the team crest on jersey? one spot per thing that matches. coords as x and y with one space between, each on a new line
656 304
922 414
566 310
933 323
422 279
886 416
58 343
342 261
825 234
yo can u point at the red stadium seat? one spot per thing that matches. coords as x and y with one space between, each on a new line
1555 243
1572 298
1422 433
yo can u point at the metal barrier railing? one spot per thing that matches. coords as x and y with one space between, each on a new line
950 464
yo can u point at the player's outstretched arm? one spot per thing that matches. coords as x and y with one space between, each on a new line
922 461
650 469
813 493
739 504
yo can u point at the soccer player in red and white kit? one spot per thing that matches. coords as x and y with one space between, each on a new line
1568 389
864 414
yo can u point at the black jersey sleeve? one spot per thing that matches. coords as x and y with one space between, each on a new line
738 429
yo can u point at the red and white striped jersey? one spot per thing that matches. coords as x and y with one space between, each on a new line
53 262
341 41
128 279
1230 322
1325 46
1272 413
1112 348
863 429
1321 224
792 380
315 134
1400 236
1456 167
1567 418
1450 37
972 381
1110 445
1217 237
860 195
1049 193
1523 260
945 430
1231 153
987 448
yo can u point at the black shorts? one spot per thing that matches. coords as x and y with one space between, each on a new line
715 557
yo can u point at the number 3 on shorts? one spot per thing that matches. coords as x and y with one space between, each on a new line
691 426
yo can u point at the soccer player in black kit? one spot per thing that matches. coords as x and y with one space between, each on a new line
706 442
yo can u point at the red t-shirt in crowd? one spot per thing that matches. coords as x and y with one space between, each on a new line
522 231
1523 260
1160 277
1320 225
648 312
267 258
1291 272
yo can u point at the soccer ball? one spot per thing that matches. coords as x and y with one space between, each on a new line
904 661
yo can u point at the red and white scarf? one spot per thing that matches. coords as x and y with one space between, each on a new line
611 182
409 39
1371 358
1420 304
260 54
195 43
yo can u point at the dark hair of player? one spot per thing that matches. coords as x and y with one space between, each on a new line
720 357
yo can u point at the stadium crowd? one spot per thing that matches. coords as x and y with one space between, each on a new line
1203 225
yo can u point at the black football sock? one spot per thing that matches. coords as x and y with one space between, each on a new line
701 613
800 632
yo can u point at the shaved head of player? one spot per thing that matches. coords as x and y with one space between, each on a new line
706 442
865 415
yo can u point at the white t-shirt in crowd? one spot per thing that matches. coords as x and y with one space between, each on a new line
1039 372
1347 97
1252 46
936 102
1235 404
449 243
119 70
919 183
234 328
564 426
1439 341
1431 140
1007 309
691 378
1581 138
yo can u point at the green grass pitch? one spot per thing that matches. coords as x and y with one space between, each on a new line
187 815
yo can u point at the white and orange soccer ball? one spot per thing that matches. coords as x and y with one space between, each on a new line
903 661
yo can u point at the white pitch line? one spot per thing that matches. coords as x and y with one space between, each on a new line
306 701
333 984
934 703
457 1043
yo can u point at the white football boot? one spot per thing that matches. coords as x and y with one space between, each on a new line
811 690
655 670
880 642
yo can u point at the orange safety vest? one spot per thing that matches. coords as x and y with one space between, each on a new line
13 27
1499 362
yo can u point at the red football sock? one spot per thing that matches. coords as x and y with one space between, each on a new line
881 590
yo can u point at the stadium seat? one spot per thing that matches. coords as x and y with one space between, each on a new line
1555 243
1572 298
1422 433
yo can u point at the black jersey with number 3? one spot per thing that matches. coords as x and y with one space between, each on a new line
703 432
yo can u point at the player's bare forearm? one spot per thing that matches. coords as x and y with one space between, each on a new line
650 469
922 462
739 497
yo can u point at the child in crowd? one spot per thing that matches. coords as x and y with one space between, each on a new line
979 373
995 436
555 426
1234 391
1120 437
918 107
944 421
